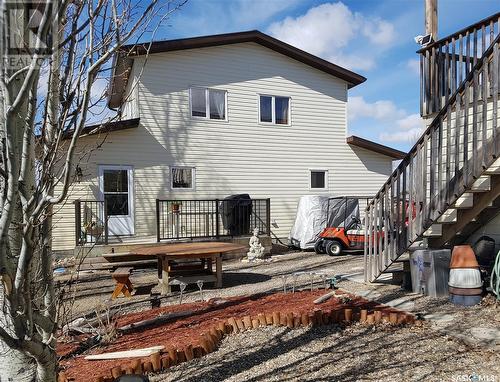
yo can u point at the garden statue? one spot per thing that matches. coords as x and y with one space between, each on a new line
256 250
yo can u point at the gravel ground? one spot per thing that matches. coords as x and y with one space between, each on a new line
444 349
328 353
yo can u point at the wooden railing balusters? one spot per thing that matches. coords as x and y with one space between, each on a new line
452 153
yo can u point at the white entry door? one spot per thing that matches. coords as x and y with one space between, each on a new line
116 184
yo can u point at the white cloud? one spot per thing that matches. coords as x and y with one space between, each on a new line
334 32
399 125
384 110
406 136
410 122
414 65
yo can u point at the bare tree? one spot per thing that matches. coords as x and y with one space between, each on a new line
53 52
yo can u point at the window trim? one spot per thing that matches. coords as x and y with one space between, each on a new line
193 176
207 104
273 110
325 171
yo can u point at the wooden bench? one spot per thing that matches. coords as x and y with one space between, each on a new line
123 284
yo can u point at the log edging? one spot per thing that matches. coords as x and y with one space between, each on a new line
210 339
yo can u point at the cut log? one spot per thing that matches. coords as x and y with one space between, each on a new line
145 352
155 361
324 298
262 319
160 320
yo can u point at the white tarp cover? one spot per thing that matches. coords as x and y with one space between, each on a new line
310 221
311 218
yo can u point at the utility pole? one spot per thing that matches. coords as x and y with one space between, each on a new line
431 18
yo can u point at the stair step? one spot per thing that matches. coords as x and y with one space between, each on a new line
482 184
448 217
434 230
494 168
403 258
465 201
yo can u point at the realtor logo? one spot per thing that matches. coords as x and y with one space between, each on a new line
23 41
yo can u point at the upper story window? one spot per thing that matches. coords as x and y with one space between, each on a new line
274 109
208 103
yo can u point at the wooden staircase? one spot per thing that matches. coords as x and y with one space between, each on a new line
449 183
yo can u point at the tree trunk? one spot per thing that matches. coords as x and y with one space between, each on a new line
46 367
16 366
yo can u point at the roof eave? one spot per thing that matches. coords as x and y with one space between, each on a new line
128 52
375 147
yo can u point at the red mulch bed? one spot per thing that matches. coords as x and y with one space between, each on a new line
175 334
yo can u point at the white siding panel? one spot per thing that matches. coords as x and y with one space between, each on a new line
239 155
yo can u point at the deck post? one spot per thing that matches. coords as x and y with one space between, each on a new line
217 233
157 220
268 216
106 233
78 222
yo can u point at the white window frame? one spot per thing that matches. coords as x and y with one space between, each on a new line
193 176
207 104
311 170
273 110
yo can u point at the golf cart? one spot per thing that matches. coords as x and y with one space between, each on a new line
344 231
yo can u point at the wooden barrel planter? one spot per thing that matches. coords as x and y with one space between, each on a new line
465 284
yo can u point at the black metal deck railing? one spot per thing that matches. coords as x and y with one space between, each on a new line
91 222
213 218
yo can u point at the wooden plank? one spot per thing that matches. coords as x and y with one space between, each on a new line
460 59
475 160
465 159
440 158
453 67
466 200
218 270
448 217
458 120
398 212
432 175
495 79
485 86
188 249
448 156
144 352
411 200
165 282
366 244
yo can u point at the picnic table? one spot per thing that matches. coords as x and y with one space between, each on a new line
206 252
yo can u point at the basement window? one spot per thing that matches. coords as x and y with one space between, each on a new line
318 179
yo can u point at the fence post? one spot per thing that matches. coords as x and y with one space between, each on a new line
105 222
268 216
157 220
217 218
78 226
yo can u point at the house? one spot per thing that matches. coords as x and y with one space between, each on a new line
208 117
446 191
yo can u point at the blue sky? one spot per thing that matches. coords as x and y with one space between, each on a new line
371 37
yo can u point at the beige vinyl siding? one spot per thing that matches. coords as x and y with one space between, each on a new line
239 155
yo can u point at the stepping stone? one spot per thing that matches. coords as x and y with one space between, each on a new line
369 294
402 303
489 335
